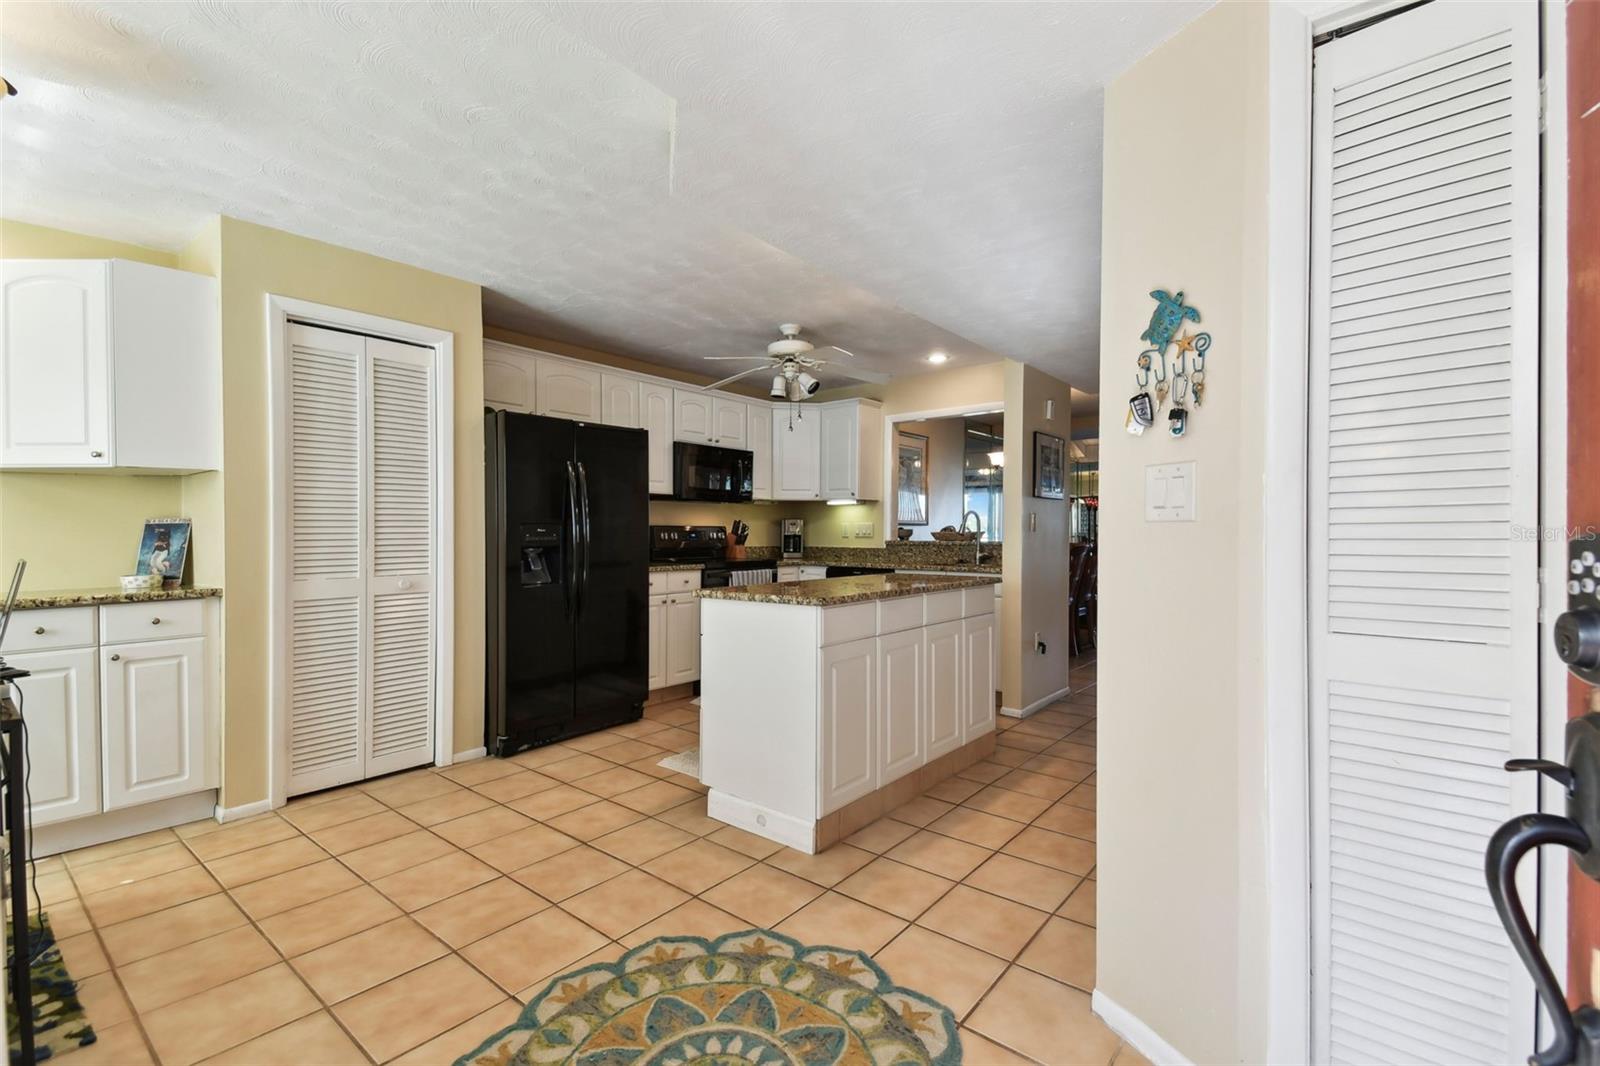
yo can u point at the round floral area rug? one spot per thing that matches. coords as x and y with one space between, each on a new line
754 998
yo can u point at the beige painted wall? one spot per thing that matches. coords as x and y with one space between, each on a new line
1035 572
1181 927
256 261
82 530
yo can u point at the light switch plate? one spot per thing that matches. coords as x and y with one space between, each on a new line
1169 492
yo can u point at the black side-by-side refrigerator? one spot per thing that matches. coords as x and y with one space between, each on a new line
568 571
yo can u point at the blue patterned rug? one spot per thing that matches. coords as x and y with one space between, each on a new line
755 998
58 1022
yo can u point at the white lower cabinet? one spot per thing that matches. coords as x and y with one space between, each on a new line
942 690
63 733
979 634
119 718
674 624
901 743
153 702
849 722
683 638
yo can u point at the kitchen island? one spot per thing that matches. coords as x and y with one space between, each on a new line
824 704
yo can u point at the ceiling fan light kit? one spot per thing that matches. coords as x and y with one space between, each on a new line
789 359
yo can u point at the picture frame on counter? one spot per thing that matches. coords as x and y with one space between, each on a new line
164 549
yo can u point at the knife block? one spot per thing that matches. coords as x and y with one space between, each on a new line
736 551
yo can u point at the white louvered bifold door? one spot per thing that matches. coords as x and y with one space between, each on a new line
1423 482
360 670
324 674
401 582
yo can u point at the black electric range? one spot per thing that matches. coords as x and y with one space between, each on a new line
708 546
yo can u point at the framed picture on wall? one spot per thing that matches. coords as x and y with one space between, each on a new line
1049 466
163 549
911 479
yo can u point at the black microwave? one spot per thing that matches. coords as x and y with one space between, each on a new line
714 475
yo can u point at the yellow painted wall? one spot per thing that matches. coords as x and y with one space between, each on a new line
82 530
257 261
1182 915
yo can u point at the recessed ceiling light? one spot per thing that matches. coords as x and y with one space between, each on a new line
937 357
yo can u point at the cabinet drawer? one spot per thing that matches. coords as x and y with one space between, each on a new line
682 580
978 601
160 620
903 613
944 607
854 622
50 628
658 583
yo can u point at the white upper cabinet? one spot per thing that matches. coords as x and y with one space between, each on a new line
760 445
619 400
729 421
655 416
851 450
795 472
108 363
691 416
567 390
508 378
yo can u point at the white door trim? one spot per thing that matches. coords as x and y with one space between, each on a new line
1291 26
280 309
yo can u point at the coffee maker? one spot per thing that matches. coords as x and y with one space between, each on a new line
794 541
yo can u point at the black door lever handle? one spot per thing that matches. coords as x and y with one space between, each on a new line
1557 772
1509 844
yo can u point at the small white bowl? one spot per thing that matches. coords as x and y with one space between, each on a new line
140 582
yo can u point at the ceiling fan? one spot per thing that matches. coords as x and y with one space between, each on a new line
789 361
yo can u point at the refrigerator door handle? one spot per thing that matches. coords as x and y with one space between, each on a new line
572 541
583 498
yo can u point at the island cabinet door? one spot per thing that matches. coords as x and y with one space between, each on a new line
901 741
943 698
978 634
848 766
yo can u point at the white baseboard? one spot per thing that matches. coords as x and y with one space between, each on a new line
1037 705
1145 1040
244 810
468 756
797 833
128 822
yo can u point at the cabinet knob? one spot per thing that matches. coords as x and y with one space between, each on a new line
156 620
115 657
38 631
97 455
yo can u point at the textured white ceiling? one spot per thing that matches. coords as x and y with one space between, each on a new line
669 180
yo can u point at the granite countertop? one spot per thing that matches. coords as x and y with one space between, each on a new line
837 591
662 568
92 597
955 568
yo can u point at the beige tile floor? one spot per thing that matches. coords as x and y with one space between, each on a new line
404 919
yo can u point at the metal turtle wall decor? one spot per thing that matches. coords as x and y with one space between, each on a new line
1183 378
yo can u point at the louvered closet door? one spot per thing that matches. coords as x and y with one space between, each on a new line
325 671
401 584
1424 470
